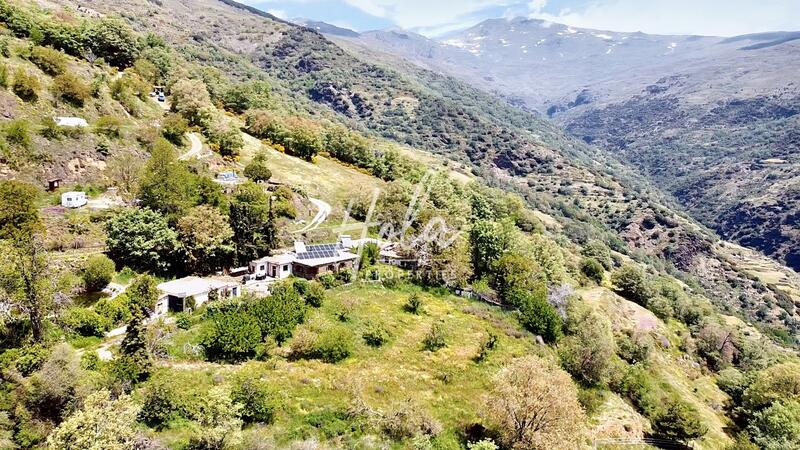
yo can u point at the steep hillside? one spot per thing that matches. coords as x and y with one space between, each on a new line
710 120
584 298
520 151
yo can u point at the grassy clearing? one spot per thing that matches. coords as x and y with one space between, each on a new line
447 384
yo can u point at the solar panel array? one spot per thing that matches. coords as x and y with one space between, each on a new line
320 251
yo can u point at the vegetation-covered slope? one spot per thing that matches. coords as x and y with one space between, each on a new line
606 343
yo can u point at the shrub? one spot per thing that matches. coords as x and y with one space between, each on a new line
635 348
435 338
414 304
160 403
174 127
25 85
629 282
232 336
3 76
314 294
344 276
375 335
536 314
97 272
109 126
52 62
257 169
485 444
588 351
777 427
678 420
332 423
257 400
50 129
116 310
70 88
328 281
487 346
334 344
592 269
85 322
17 132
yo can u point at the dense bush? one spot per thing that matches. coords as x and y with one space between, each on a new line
25 85
52 62
109 126
588 349
592 269
17 132
97 272
70 88
536 314
257 400
116 310
334 344
435 338
160 403
375 335
232 336
629 281
174 127
141 239
85 322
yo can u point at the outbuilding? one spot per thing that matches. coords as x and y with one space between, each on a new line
73 199
191 292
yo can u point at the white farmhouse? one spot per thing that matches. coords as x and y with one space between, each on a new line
73 199
176 294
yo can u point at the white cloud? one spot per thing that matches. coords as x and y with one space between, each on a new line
429 16
279 13
708 17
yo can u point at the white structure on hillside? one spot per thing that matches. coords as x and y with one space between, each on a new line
175 294
72 122
73 199
277 266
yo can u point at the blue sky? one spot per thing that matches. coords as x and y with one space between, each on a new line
434 17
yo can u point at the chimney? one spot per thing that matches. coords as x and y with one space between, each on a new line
299 247
345 241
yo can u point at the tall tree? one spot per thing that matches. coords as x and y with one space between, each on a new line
27 282
205 236
489 240
142 297
166 184
18 211
142 240
253 223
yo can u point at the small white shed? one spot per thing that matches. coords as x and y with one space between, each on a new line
71 122
73 199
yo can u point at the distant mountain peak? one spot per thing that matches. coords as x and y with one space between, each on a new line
326 28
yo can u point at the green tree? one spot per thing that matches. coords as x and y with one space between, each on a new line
205 236
257 169
536 314
166 185
253 222
244 96
777 427
588 350
513 271
488 241
592 269
279 313
629 282
114 41
97 272
303 140
27 281
174 127
680 421
257 399
190 98
142 240
232 336
102 424
18 210
369 255
142 296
